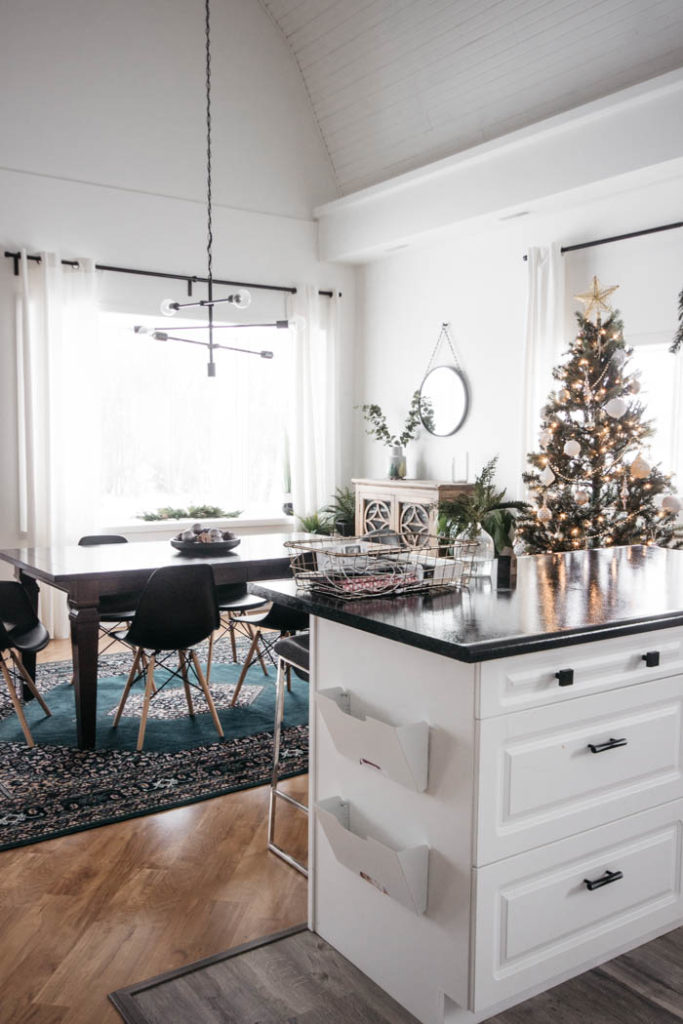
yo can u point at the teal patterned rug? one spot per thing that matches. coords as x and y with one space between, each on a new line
54 789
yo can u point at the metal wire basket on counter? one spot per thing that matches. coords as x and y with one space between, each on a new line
373 566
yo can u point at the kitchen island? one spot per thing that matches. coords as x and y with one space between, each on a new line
497 777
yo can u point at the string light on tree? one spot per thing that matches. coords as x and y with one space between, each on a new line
590 477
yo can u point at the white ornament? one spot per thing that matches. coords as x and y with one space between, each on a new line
619 357
639 468
581 497
544 515
635 387
572 449
545 437
616 407
547 476
671 504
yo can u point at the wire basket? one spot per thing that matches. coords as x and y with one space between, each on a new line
355 567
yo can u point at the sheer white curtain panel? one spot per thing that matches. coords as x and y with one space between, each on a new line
544 336
313 408
57 367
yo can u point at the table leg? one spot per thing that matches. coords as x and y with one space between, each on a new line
84 636
32 589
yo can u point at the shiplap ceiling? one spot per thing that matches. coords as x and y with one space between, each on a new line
396 84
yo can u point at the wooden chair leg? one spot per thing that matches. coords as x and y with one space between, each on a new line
245 668
186 682
129 682
145 707
16 658
256 632
15 701
207 693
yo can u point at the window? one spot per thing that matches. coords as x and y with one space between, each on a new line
660 394
173 436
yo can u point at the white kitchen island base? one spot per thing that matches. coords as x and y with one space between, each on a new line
529 856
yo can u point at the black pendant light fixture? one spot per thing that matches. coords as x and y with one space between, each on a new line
239 299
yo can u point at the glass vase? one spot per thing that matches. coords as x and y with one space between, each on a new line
483 555
397 463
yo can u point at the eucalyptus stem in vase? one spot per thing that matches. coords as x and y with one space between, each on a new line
378 427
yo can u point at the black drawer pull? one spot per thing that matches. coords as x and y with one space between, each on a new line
565 676
597 883
597 748
651 659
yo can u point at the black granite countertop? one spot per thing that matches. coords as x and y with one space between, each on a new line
559 599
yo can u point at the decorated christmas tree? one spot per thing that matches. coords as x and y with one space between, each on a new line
591 483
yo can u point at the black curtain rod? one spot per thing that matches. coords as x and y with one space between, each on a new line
191 279
617 238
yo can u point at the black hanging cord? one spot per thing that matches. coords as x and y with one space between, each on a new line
209 210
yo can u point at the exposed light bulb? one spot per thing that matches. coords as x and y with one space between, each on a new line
298 322
240 299
266 355
169 307
141 329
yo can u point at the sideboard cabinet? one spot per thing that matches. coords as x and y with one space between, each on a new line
407 506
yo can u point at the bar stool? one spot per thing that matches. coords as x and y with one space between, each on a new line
292 652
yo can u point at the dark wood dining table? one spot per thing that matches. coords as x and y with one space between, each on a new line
87 573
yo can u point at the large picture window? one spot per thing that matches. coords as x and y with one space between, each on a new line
172 436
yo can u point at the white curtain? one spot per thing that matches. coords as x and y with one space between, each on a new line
313 399
544 337
58 422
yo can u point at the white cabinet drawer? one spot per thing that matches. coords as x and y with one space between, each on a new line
536 917
547 773
531 680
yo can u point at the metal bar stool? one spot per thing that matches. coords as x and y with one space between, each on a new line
293 652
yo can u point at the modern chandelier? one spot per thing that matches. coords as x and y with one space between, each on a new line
241 298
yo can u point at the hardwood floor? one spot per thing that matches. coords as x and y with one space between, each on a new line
86 914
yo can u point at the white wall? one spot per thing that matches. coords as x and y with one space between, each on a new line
101 122
478 284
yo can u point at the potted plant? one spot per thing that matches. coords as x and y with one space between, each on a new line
481 515
377 426
342 511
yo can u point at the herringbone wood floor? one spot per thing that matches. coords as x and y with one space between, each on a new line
86 914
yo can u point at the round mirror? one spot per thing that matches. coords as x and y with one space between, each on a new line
444 401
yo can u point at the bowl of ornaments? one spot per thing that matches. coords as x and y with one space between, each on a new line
204 540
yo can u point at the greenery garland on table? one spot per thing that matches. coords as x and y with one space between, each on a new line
192 512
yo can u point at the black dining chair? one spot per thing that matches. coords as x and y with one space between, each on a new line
177 610
235 604
293 654
115 610
21 632
278 622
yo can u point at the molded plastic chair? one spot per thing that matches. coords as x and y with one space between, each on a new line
117 609
177 610
280 621
21 631
293 653
234 601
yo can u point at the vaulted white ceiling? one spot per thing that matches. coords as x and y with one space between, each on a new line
396 84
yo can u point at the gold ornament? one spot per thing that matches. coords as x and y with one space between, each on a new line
595 299
639 469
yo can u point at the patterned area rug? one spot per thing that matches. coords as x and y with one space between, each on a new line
54 789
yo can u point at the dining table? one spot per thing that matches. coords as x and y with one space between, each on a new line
86 574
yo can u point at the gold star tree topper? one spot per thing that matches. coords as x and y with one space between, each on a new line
595 300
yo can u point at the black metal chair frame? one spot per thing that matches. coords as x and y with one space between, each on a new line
285 664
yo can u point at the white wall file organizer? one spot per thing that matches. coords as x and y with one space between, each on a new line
399 752
401 874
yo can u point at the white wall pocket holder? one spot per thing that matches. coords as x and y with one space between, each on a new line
400 874
399 752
